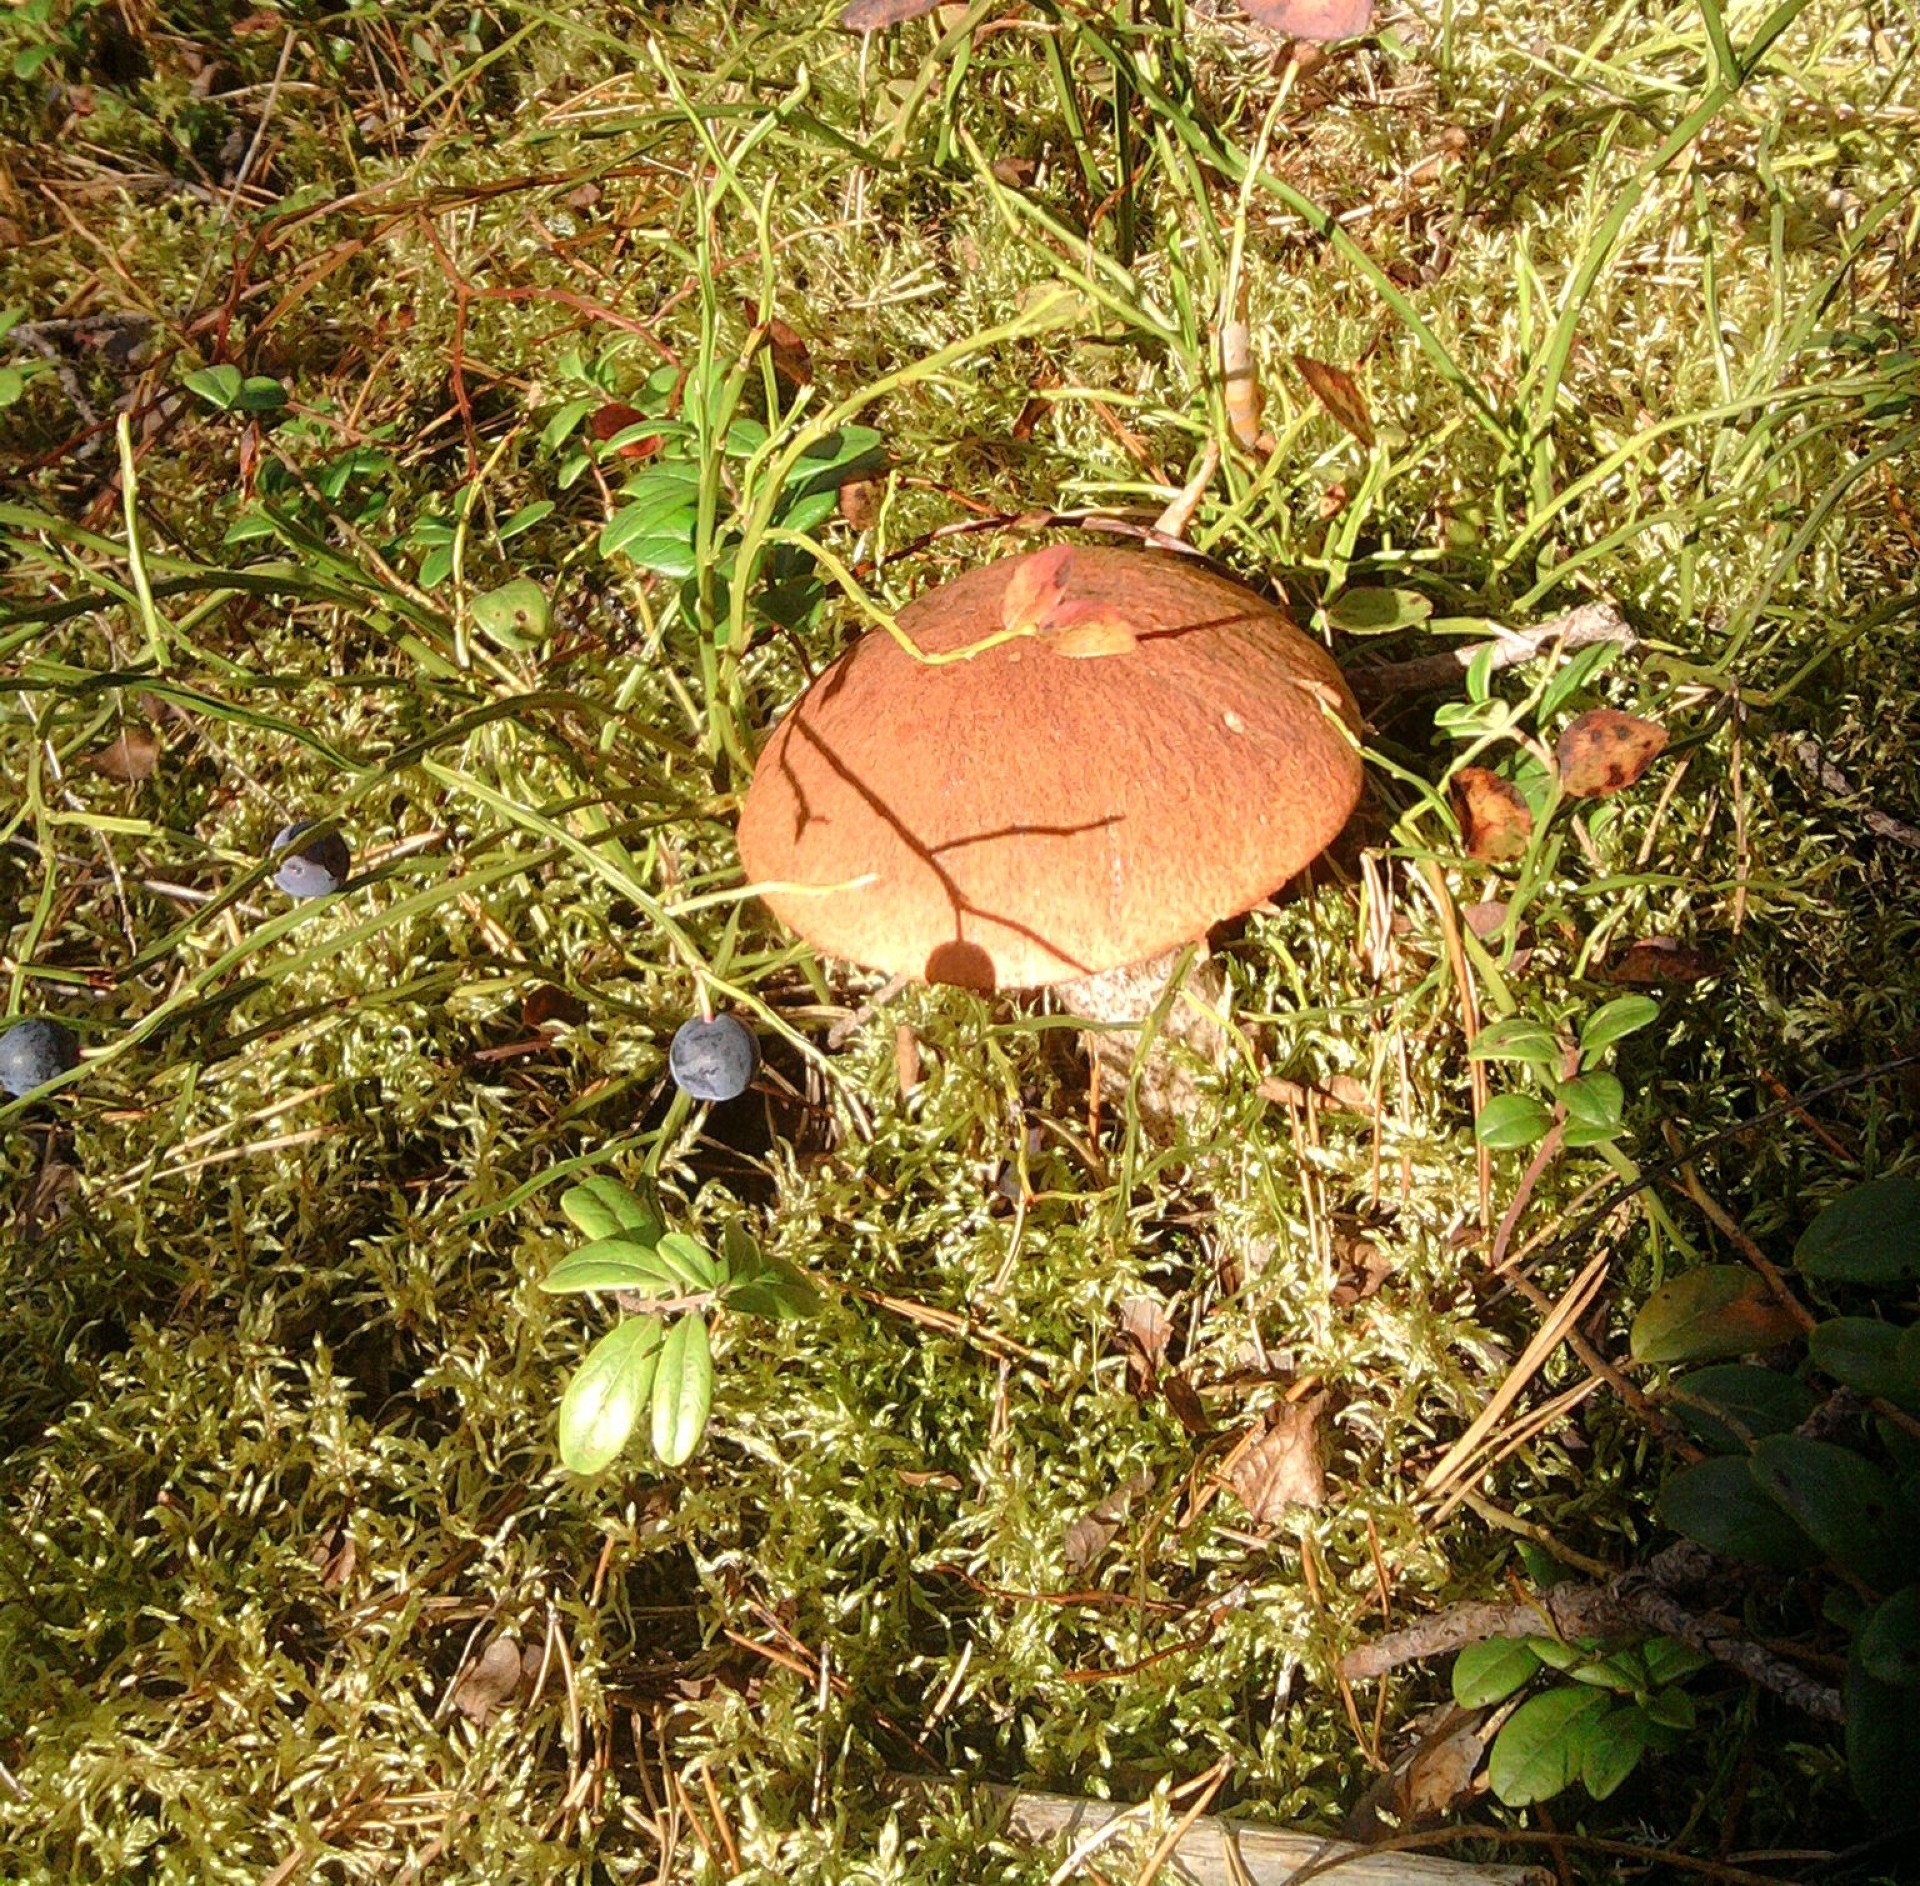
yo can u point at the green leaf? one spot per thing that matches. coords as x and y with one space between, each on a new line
1667 1660
611 1264
525 518
561 426
662 532
1512 1120
1671 1708
687 1261
604 1208
515 616
1624 1015
218 386
1516 1039
259 394
1728 1408
1717 1310
682 1391
12 384
1378 611
1540 1750
1870 1235
1611 1743
1572 678
755 1284
1888 1646
1883 1742
1594 1103
602 1405
1491 1672
1718 1504
1867 1355
666 555
1843 1503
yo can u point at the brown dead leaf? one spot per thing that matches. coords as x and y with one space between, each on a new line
1183 1398
1015 172
1495 824
615 418
1485 919
1036 588
545 1002
1442 1770
791 361
859 502
491 1684
875 16
1321 20
1240 385
906 1058
1606 751
1282 1468
334 1555
1363 1268
1145 1329
1659 959
131 758
1338 392
1096 1529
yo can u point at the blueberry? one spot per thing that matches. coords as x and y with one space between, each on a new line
713 1060
319 867
34 1052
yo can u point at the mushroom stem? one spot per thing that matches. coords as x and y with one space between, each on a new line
1190 1036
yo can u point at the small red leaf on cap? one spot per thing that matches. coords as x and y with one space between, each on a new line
1606 751
1036 587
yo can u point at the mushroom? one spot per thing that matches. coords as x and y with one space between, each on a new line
1134 749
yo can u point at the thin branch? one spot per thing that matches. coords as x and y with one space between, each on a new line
1578 628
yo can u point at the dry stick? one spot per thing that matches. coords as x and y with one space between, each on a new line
1628 1605
1577 628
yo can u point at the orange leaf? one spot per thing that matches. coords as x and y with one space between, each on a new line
1036 587
1494 821
1313 19
614 418
1657 959
1606 751
1337 391
1086 629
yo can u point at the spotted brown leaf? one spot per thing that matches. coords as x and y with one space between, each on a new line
1606 751
1322 20
1282 1467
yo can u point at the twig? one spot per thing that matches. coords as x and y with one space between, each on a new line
1635 1602
1577 628
1812 760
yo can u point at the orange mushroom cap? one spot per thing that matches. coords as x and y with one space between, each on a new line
1156 750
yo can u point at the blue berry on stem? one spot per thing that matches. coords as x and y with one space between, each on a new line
34 1052
713 1060
318 868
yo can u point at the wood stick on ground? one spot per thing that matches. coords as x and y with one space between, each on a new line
1633 1604
1812 760
1577 628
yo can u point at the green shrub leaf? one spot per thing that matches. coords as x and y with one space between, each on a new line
1512 1120
1730 1406
1842 1502
1717 1310
1888 1646
1866 1355
1593 1104
611 1264
1883 1742
1624 1015
1611 1743
682 1391
1491 1672
1718 1504
1870 1235
602 1404
687 1261
1516 1039
1541 1748
604 1208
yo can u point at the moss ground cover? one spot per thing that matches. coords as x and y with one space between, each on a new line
315 318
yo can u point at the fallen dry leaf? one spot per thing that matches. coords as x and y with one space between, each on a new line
1485 919
791 361
490 1684
906 1058
1183 1398
545 1002
875 16
614 418
1337 391
1096 1529
1036 588
1240 385
1495 824
1313 19
859 502
1606 751
1442 1770
130 758
1282 1468
334 1555
1145 1328
1658 959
